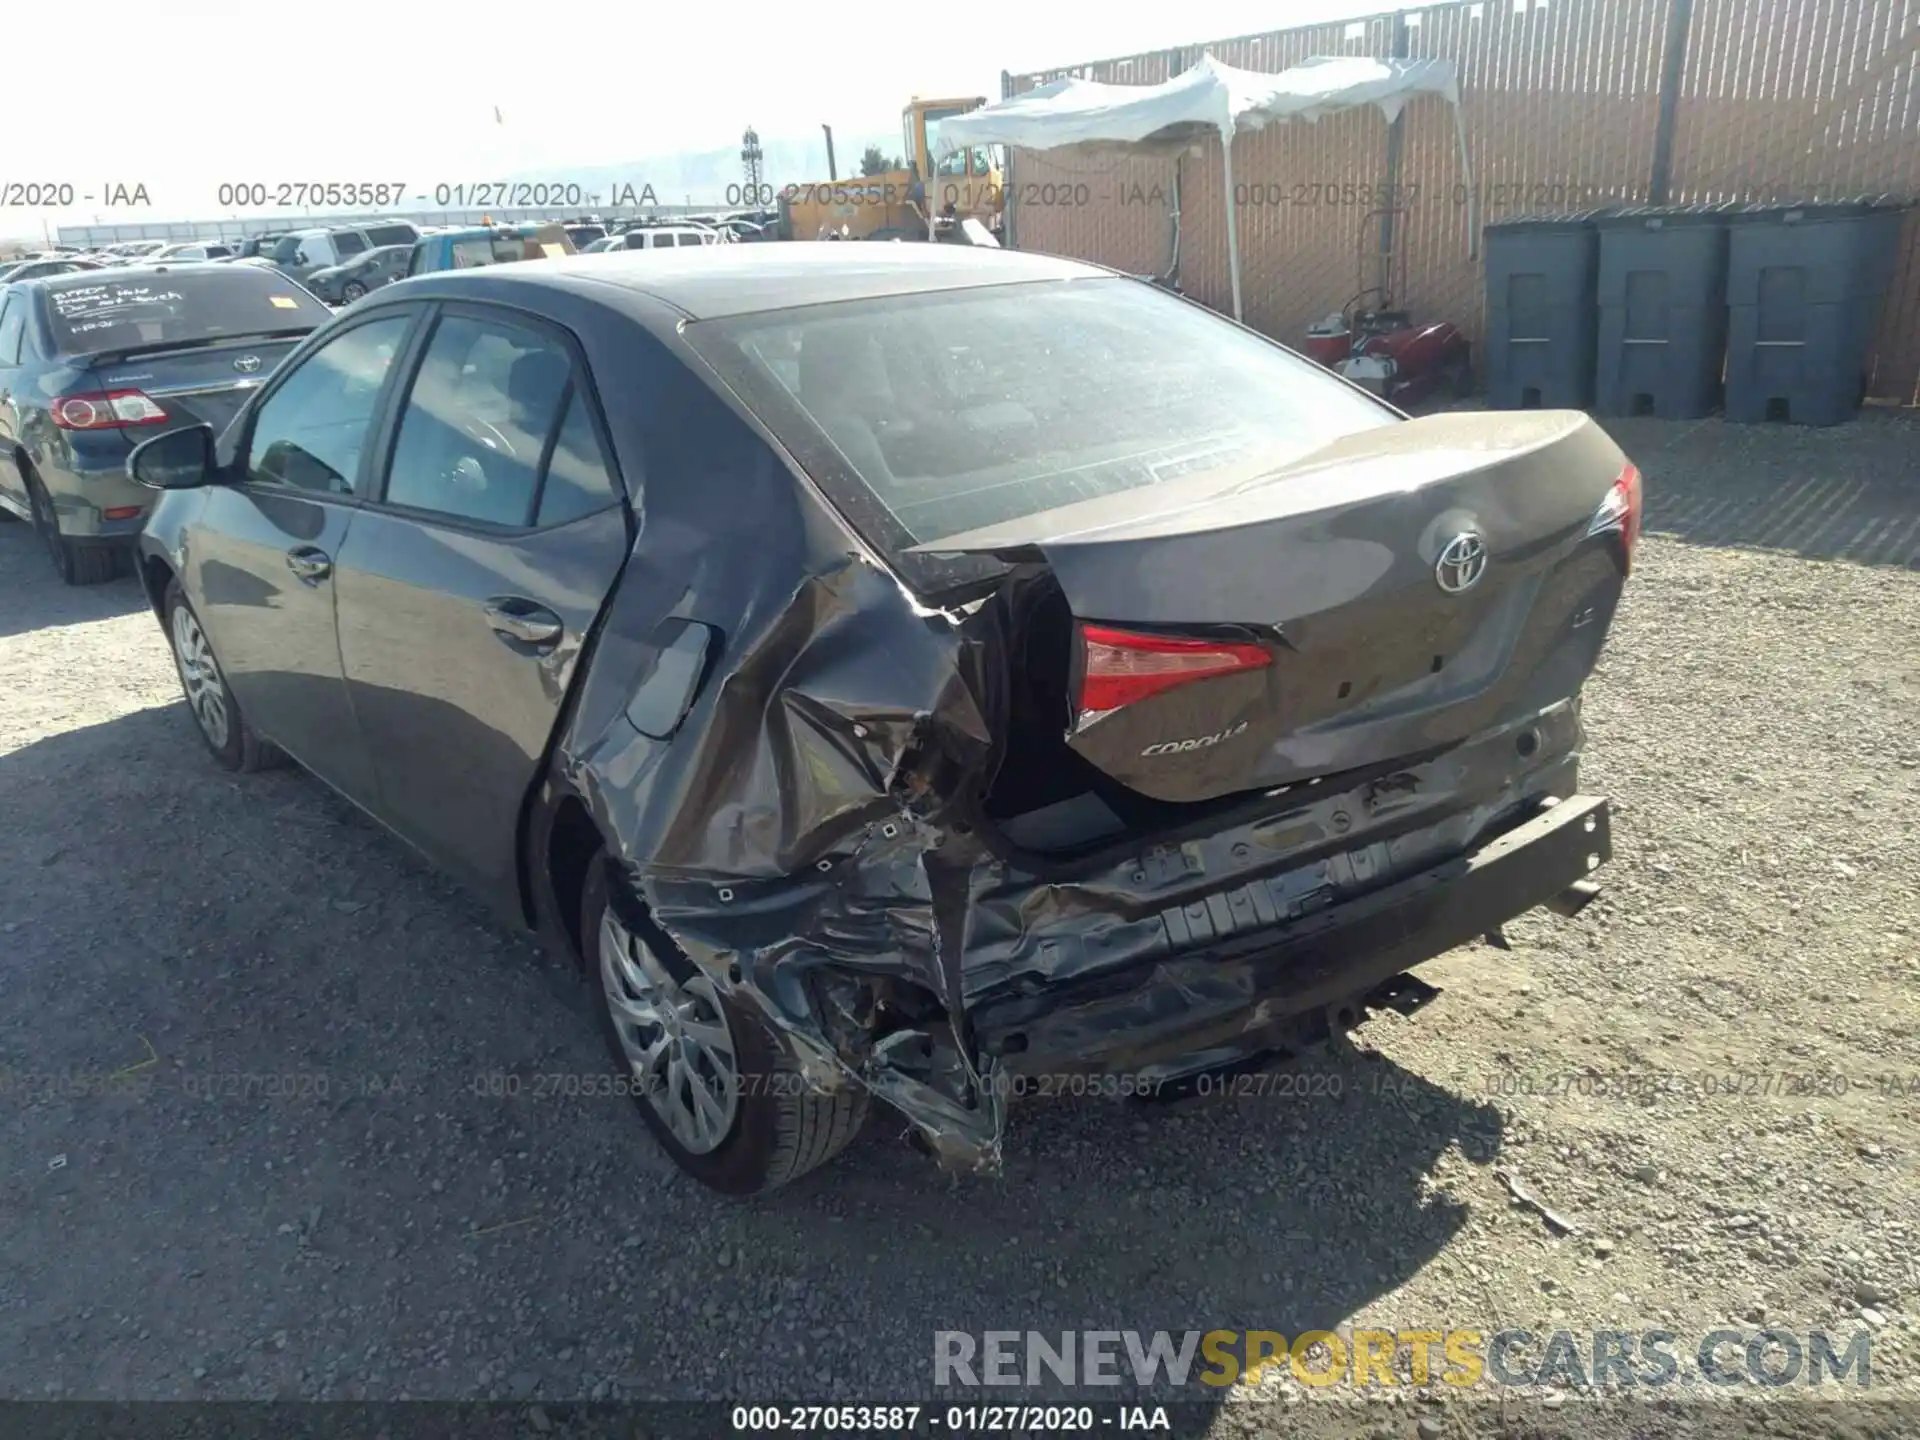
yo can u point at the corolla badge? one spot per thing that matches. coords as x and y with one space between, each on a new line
247 364
1197 742
1463 560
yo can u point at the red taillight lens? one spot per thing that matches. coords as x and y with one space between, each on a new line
1121 666
105 410
1621 511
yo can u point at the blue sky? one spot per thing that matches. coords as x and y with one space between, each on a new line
185 95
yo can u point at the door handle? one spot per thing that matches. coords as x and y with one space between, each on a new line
310 563
525 621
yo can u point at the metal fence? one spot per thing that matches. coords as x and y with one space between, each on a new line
1568 104
238 228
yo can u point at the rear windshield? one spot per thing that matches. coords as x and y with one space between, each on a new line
391 234
92 314
504 247
926 416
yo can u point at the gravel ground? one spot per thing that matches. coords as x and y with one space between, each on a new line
177 1222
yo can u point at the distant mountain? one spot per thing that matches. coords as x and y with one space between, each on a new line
713 177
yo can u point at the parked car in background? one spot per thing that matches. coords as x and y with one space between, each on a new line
479 245
32 269
190 250
391 232
304 251
262 244
663 237
344 284
92 361
127 252
584 236
1148 703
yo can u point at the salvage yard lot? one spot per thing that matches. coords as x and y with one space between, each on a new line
253 1140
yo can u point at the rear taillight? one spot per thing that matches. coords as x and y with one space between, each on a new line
1620 511
105 410
1120 666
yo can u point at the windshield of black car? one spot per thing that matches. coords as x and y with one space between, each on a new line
975 407
95 312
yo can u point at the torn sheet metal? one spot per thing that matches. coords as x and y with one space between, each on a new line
803 818
795 842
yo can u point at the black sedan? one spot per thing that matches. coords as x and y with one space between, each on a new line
345 283
94 361
911 674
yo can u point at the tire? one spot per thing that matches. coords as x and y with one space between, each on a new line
779 1128
74 564
234 744
351 292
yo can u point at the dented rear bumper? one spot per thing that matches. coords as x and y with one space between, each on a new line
915 961
1242 994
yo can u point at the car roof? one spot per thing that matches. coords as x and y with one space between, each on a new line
721 280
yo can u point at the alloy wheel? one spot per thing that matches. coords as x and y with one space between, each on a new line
674 1037
200 677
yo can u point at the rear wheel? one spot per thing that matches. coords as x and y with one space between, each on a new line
352 291
233 742
75 564
716 1086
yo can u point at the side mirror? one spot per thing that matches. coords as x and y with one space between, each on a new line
177 460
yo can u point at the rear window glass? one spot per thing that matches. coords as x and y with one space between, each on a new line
182 306
391 234
926 416
502 249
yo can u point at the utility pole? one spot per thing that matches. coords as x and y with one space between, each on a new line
832 173
751 158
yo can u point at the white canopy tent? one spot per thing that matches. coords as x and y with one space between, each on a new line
1091 117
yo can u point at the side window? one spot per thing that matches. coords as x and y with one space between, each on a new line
346 243
579 480
311 430
13 324
691 238
477 420
469 253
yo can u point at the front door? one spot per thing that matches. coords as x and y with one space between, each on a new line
262 561
467 588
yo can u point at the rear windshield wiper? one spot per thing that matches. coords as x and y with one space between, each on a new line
156 347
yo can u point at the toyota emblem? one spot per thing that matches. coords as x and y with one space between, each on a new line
1462 562
247 364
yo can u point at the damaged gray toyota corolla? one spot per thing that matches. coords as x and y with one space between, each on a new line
902 671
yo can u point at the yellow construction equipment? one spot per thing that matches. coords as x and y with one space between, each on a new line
916 203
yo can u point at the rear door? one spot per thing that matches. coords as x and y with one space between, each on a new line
13 324
262 555
467 590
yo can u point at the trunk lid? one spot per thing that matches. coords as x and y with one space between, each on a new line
198 384
1410 586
